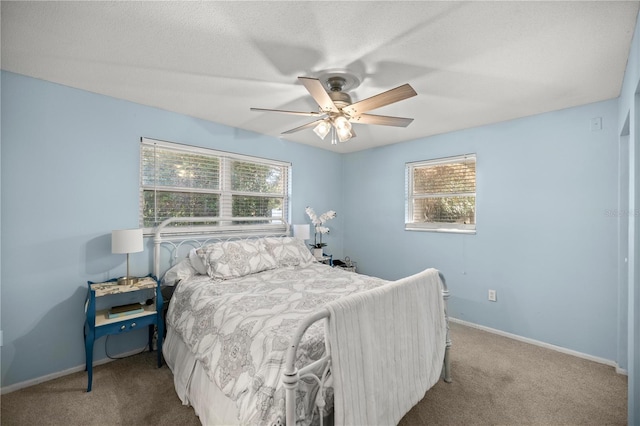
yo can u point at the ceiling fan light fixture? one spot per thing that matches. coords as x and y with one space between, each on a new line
344 134
341 123
322 129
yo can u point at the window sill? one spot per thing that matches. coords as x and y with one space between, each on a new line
441 230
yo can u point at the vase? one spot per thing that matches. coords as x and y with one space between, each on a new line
317 253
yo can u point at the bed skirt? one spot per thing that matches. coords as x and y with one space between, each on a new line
193 385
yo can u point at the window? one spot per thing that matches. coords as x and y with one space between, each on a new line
185 181
441 194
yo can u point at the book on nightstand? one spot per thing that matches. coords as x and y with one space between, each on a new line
124 310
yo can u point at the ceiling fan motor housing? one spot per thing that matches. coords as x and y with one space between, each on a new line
341 99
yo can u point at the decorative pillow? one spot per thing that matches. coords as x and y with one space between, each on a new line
289 251
232 259
180 271
196 262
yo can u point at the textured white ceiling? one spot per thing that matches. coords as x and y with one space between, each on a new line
472 63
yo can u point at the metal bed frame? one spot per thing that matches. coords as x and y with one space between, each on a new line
292 375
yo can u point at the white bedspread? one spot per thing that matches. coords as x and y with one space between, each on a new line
240 329
387 348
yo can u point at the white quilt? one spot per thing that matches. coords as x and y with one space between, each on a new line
387 348
239 329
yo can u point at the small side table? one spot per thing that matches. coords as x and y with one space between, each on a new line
98 323
347 265
327 259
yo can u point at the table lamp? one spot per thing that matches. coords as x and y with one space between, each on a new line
302 231
127 241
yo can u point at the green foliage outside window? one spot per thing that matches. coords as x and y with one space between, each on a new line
189 182
160 205
445 210
444 193
258 179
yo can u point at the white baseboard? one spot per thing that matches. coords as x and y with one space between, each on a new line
543 344
17 386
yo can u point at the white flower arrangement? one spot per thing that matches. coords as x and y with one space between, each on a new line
318 223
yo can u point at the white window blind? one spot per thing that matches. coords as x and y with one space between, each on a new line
441 194
185 181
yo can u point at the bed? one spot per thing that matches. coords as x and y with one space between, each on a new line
260 333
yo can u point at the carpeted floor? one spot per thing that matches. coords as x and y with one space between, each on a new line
501 381
496 381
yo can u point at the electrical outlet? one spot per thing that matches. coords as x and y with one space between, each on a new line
493 297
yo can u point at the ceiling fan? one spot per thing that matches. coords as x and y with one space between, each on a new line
336 110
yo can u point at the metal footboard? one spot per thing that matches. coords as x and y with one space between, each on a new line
446 368
292 375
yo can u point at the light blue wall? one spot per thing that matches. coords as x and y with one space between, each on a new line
629 129
70 167
544 239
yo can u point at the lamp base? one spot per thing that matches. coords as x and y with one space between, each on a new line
128 280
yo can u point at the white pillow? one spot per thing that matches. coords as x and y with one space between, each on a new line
289 251
196 262
232 259
180 271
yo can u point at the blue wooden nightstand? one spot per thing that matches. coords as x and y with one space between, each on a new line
98 323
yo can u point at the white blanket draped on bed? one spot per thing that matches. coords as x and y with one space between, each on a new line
387 348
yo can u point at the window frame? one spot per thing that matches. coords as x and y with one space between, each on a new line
410 225
277 224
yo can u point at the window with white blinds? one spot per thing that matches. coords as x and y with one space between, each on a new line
441 194
185 181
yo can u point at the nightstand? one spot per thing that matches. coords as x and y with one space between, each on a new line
327 259
347 265
98 323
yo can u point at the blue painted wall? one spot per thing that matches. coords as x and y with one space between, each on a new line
70 167
544 238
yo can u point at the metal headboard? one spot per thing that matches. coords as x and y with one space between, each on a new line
199 235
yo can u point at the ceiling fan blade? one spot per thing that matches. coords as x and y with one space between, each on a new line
304 126
385 98
319 94
383 120
306 114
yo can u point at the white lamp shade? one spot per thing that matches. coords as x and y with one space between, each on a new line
127 241
302 231
342 123
322 129
344 134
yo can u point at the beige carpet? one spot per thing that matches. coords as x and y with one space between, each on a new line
497 381
500 381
